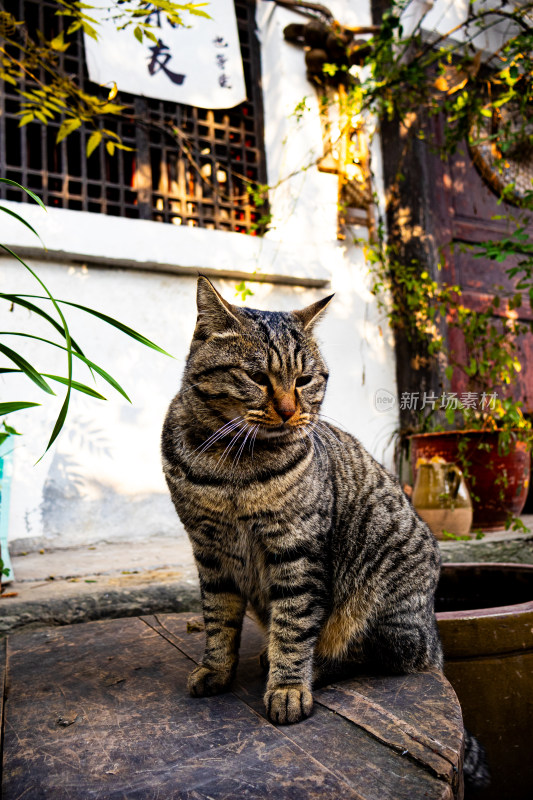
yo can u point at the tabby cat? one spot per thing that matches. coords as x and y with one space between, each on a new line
289 513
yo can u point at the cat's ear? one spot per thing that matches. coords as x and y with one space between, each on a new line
309 316
215 315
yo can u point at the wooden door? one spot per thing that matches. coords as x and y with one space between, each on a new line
433 208
465 212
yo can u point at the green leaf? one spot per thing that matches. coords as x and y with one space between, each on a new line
80 387
11 431
108 378
110 321
21 219
26 367
13 298
10 408
137 32
24 189
60 421
68 340
94 140
25 119
120 326
110 147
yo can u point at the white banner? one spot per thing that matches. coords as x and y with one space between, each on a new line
199 65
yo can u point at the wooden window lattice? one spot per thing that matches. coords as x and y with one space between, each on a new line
198 177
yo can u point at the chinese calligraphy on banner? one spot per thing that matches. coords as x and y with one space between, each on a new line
199 65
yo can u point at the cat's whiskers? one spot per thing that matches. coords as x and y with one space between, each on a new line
241 448
188 389
230 445
310 440
326 430
321 447
339 424
219 433
314 437
252 442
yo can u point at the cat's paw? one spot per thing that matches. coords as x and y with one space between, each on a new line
205 682
287 704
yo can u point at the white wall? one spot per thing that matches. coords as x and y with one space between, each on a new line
444 17
102 480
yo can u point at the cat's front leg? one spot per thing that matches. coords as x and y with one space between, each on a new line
223 609
295 622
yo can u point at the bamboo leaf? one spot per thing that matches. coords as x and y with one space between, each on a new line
60 421
108 378
26 367
21 219
10 408
120 326
110 321
68 340
80 387
13 298
24 189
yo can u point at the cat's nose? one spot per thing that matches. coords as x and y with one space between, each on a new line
286 407
286 413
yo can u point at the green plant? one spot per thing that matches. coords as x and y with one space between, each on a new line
27 55
60 326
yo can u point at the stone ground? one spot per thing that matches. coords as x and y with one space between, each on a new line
68 585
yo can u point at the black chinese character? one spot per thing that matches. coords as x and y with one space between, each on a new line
159 61
224 81
221 60
219 41
157 14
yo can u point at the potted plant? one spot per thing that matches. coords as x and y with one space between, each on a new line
480 426
470 416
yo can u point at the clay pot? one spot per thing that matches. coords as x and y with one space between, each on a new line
485 618
442 500
499 480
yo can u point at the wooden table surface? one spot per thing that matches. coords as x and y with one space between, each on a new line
100 710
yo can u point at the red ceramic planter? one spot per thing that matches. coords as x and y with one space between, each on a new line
485 618
501 479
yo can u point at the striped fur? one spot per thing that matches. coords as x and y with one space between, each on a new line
290 514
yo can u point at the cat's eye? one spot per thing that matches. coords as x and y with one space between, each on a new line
303 380
260 378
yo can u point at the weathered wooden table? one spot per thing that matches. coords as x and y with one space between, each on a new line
100 710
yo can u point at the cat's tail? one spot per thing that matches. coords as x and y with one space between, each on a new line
475 766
